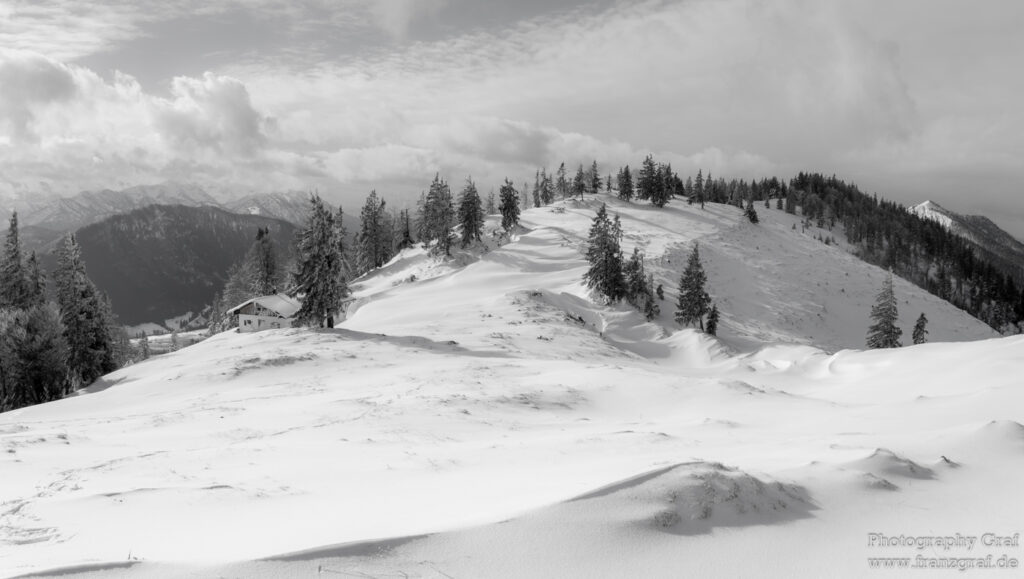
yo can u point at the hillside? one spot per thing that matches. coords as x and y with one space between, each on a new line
484 417
163 260
992 243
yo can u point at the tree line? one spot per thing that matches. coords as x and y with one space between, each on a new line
57 334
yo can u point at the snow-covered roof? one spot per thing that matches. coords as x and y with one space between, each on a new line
279 303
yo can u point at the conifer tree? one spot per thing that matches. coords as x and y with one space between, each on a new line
698 189
405 225
595 179
374 241
14 279
608 183
649 184
509 207
625 184
85 316
605 257
36 369
547 189
712 325
319 268
471 214
262 264
579 183
492 204
884 333
561 182
693 300
750 212
347 270
920 334
639 286
144 347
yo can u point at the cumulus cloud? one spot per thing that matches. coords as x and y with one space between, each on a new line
212 112
30 83
743 88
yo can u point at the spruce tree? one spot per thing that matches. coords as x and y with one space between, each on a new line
884 333
14 279
750 212
85 316
471 214
693 300
920 334
639 286
509 206
625 184
316 280
440 215
649 183
547 189
492 204
595 178
405 240
373 242
38 353
712 325
579 183
561 182
698 189
604 254
347 270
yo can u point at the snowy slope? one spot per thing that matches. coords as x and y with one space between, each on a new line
990 242
485 418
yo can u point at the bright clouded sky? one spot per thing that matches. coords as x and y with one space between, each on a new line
912 99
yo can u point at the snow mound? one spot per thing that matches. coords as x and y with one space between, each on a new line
693 498
885 462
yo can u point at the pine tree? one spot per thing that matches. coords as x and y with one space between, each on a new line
625 184
14 281
884 333
471 214
561 182
698 189
547 189
374 241
639 286
492 205
750 212
509 207
405 224
579 183
605 257
649 183
319 268
85 317
144 348
261 262
608 183
693 300
712 325
595 179
347 269
920 334
36 367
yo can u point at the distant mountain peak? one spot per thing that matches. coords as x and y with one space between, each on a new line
989 241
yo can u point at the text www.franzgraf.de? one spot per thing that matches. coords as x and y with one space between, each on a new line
955 551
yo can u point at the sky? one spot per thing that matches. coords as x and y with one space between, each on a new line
912 99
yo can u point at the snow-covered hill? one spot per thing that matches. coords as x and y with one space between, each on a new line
992 243
484 417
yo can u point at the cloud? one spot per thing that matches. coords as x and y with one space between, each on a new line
212 112
395 16
29 83
743 88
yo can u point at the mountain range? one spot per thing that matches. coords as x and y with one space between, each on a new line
160 261
993 244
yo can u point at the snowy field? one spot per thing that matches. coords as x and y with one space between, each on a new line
486 418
